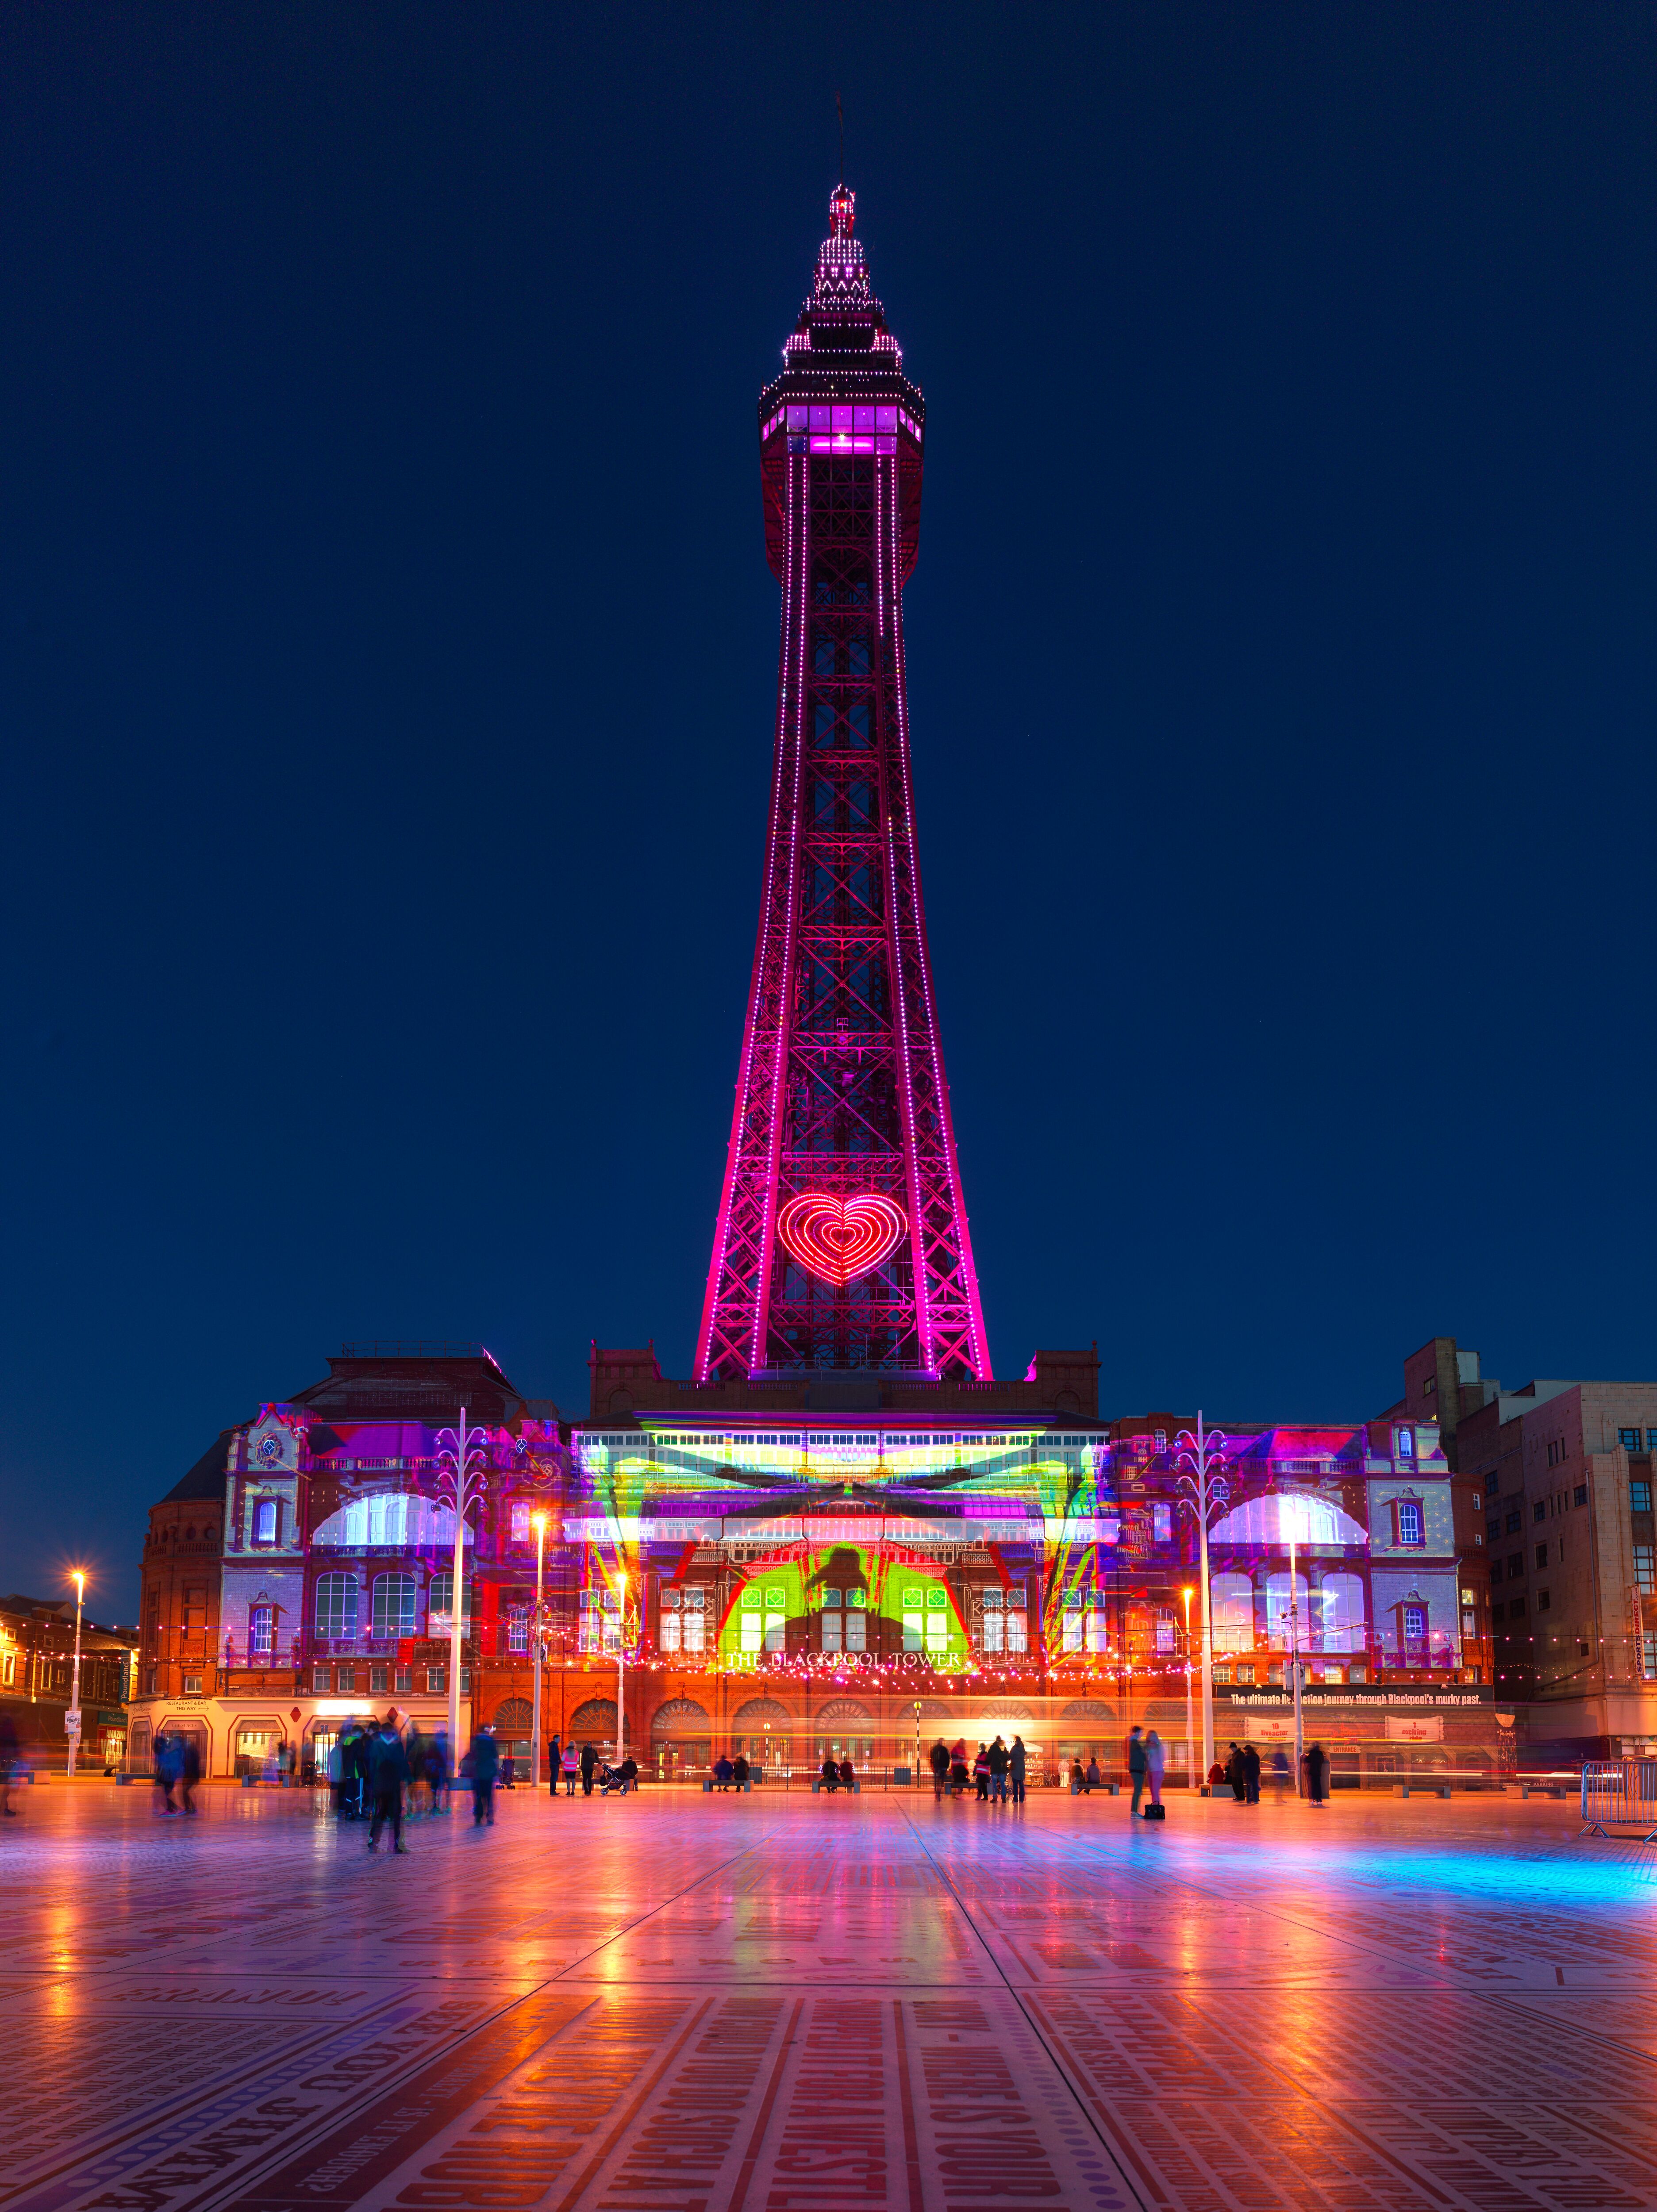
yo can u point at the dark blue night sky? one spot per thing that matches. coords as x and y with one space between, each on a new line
388 650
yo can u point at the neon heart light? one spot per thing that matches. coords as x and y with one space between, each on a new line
841 1238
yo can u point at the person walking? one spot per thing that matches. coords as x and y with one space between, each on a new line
1279 1774
1317 1772
485 1765
161 1756
1015 1765
1155 1760
1136 1767
571 1769
388 1771
189 1765
438 1769
998 1772
7 1765
940 1758
1251 1775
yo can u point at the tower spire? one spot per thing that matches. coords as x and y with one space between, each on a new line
841 1238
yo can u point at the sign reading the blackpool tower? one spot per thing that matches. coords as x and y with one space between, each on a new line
841 1238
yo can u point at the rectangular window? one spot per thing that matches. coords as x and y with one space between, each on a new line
1515 1608
192 1685
261 1630
1018 1632
1410 1523
321 1681
1539 1510
1245 1678
1072 1621
1415 1623
1162 1524
1579 1495
436 1681
1515 1566
1651 1439
777 1627
1493 1527
1629 1439
1649 1656
993 1638
1406 1443
1542 1600
668 1639
914 1631
521 1530
403 1681
1645 1567
517 1628
1640 1494
379 1682
9 1669
1541 1555
1469 1623
1515 1521
1222 1676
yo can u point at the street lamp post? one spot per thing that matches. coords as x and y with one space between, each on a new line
1191 1746
1295 1652
460 1454
72 1718
539 1521
1207 1493
621 1664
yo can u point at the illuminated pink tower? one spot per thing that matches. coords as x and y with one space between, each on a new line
841 1238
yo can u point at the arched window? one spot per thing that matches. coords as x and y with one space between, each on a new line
1230 1604
393 1605
336 1605
1278 1620
441 1601
264 1521
1340 1609
261 1630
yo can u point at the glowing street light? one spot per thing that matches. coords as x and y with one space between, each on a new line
1191 1746
72 1718
1207 1492
621 1663
461 1454
538 1523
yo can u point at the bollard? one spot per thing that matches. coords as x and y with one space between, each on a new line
1525 1791
1445 1791
1404 1791
1115 1789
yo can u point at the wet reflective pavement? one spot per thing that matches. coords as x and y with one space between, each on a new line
677 2001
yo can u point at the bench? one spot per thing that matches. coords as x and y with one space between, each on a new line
854 1785
1085 1789
709 1785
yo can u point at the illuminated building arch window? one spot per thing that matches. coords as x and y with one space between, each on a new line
261 1630
393 1605
1341 1616
336 1605
440 1602
1231 1606
264 1521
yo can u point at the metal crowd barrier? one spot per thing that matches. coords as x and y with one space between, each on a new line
1620 1794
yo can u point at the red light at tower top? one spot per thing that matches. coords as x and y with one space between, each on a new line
841 1238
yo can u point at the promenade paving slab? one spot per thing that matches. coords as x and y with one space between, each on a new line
676 2002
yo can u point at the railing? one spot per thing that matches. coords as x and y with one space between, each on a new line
1620 1793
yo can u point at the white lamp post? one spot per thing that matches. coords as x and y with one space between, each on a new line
1294 1651
460 1454
621 1663
1207 1492
539 1521
1191 1747
72 1718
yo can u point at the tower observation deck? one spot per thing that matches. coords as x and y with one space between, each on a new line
842 1239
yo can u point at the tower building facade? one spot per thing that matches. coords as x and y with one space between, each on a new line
842 1239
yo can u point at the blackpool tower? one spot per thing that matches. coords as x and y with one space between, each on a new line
842 1239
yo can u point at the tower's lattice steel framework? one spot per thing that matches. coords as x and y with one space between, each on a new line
842 1239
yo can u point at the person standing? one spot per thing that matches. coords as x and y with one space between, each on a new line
998 1772
1136 1767
571 1769
981 1773
554 1765
1317 1770
388 1771
1155 1760
189 1766
485 1764
589 1760
1234 1772
7 1765
1251 1775
957 1767
1016 1765
1279 1774
940 1758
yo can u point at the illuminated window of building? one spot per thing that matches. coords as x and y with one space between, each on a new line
696 1615
1071 1621
261 1630
1018 1622
1231 1599
1649 1656
1096 1622
992 1634
520 1522
393 1605
264 1521
192 1685
1645 1567
668 1634
1162 1524
336 1605
1408 1517
1415 1625
9 1669
1166 1628
321 1682
1246 1677
345 1681
436 1681
403 1682
440 1602
379 1682
1222 1676
1406 1443
517 1628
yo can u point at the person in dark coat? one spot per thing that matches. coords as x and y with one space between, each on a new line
1016 1761
589 1760
848 1777
627 1774
740 1770
7 1765
189 1771
724 1773
938 1759
554 1761
388 1773
998 1771
165 1772
354 1759
1136 1767
1235 1773
485 1764
958 1768
1316 1773
830 1774
1251 1775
